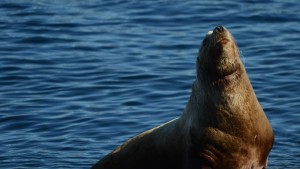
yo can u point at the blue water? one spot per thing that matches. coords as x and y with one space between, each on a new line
78 78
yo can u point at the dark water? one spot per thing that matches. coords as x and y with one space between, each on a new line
79 78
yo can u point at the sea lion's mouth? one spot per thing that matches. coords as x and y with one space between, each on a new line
223 41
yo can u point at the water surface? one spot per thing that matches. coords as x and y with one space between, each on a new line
79 78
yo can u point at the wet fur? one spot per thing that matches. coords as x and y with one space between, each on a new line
222 127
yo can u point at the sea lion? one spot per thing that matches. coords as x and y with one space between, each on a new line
222 127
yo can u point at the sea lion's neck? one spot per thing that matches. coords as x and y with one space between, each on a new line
228 97
207 102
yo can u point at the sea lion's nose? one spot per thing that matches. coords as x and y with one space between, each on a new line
219 29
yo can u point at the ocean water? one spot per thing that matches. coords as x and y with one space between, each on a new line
78 78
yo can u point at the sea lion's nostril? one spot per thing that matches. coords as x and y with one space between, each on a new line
219 29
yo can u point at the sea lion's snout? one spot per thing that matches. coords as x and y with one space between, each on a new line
218 55
219 29
221 36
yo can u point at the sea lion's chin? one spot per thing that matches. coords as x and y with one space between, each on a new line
227 77
229 70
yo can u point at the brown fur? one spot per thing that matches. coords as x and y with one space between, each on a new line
222 127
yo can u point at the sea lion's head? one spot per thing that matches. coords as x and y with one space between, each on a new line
218 61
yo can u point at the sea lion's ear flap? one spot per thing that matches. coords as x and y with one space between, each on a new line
204 42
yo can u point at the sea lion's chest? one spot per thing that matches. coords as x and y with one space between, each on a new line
212 147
